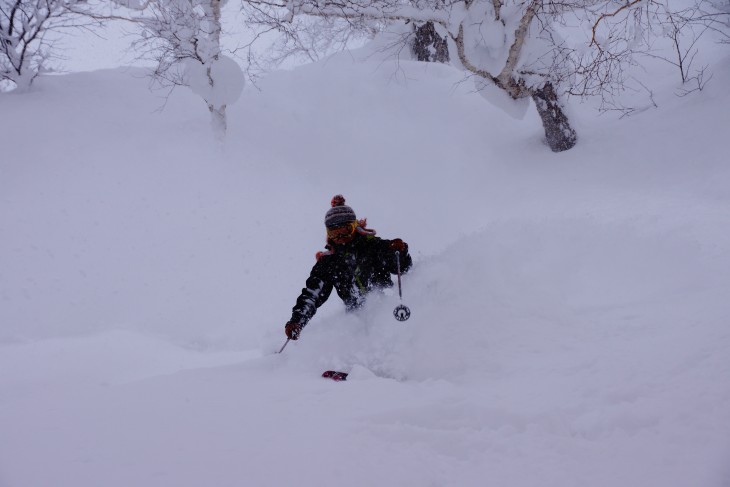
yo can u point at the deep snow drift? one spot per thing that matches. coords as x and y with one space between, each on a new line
570 310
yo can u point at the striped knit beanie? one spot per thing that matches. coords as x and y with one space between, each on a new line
339 214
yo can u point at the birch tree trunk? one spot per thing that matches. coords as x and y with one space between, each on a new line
217 113
428 45
218 120
560 136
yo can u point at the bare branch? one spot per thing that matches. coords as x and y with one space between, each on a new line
627 5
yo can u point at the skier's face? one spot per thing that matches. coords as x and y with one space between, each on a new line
343 234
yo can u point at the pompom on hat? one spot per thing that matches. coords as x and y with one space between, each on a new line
340 214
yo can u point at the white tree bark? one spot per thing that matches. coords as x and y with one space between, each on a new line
217 110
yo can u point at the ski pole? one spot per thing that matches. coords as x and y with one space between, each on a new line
284 346
397 264
401 312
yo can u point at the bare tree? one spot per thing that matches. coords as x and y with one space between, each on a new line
622 33
24 24
486 40
494 40
519 46
183 37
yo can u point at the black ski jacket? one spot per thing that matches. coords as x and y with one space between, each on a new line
353 270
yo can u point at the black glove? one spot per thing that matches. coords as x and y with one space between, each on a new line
293 330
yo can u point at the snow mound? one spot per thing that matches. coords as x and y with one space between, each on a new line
224 84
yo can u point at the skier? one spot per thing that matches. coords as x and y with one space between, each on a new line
355 263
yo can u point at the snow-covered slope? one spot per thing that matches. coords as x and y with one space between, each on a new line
569 310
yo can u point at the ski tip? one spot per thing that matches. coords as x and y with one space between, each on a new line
334 375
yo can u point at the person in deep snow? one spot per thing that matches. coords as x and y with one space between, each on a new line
355 263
